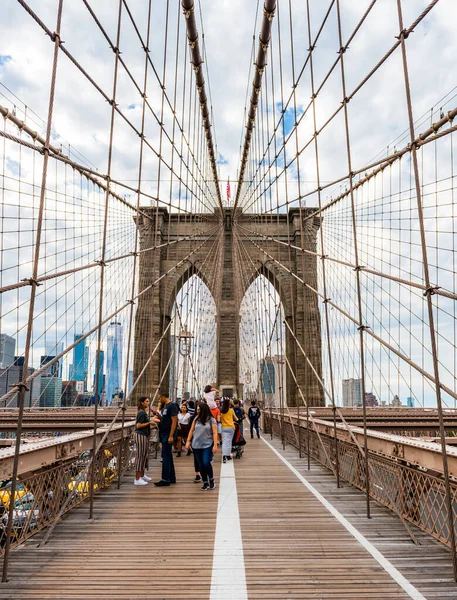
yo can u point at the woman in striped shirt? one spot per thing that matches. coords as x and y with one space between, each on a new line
142 436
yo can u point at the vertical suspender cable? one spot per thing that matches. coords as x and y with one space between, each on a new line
356 254
324 268
428 293
21 387
103 255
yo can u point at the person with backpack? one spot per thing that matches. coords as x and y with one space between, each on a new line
240 414
254 417
203 437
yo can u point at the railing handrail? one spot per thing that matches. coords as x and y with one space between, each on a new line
36 455
427 455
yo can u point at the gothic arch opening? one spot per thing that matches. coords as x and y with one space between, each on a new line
193 338
262 340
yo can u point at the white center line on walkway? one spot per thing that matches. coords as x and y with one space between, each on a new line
380 558
228 580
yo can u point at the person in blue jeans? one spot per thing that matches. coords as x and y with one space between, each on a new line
167 428
203 437
254 416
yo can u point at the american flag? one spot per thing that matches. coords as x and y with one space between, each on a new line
228 190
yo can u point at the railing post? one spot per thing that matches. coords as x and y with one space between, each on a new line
299 432
308 446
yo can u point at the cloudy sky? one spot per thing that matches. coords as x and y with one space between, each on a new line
377 121
377 113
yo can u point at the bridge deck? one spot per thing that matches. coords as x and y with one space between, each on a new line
159 543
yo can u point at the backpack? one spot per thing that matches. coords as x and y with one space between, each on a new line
240 414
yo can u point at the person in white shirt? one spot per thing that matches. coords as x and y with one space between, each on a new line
183 428
210 399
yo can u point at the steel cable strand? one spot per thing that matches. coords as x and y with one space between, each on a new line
353 93
23 384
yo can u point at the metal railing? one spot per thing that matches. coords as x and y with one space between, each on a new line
414 491
43 494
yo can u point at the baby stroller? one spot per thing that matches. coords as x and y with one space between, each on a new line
238 442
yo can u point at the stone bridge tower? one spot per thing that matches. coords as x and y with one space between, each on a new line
164 269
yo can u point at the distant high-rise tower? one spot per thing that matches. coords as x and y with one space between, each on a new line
79 368
113 361
12 375
352 392
51 383
7 350
52 350
101 379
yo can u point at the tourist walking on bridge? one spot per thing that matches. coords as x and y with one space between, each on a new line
254 416
183 428
203 436
210 398
142 437
167 427
240 414
228 420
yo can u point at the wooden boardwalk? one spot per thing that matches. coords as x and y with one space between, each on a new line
146 542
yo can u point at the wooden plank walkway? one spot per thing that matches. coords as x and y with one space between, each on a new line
146 542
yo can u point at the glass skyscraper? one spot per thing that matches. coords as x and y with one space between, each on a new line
79 368
113 361
101 381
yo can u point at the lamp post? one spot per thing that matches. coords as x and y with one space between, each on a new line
185 345
247 378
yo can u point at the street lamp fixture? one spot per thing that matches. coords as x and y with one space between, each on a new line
185 346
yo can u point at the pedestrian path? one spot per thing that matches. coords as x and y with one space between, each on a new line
263 533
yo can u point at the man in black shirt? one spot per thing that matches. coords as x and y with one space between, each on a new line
167 428
254 416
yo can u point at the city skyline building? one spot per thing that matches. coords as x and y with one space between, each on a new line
352 392
13 374
370 399
50 391
7 350
50 383
113 361
69 394
53 370
101 376
79 368
396 402
53 349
